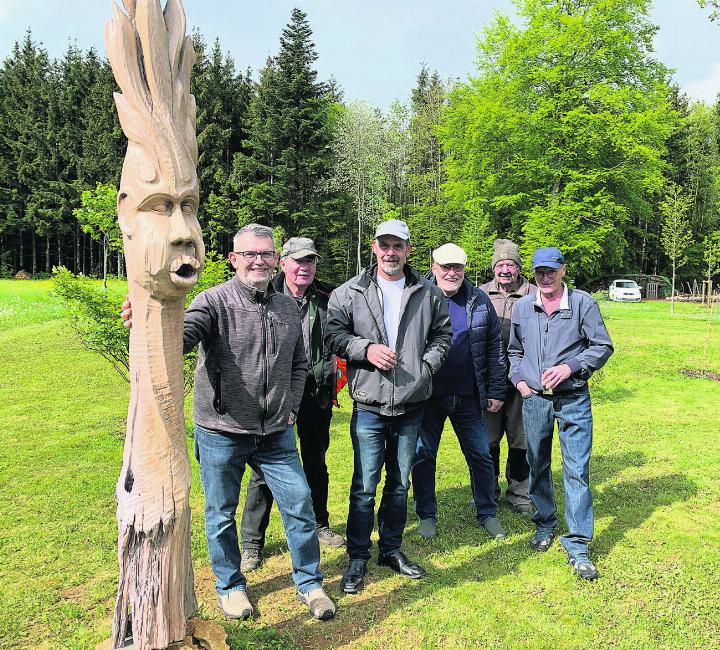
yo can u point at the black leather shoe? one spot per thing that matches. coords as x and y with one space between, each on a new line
353 579
399 563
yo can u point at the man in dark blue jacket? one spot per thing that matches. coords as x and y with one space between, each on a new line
471 381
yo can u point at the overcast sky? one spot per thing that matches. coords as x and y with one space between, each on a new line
374 48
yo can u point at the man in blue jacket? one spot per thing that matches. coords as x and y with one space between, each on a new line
557 340
471 382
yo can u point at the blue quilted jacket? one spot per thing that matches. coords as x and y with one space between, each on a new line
486 344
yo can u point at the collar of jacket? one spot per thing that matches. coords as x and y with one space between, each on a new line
252 294
522 290
317 286
369 276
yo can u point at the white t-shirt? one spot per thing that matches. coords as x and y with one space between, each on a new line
391 296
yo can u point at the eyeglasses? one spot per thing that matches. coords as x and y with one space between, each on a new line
251 256
548 274
458 268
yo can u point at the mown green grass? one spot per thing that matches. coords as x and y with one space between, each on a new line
655 477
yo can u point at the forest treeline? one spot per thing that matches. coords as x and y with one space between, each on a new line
569 132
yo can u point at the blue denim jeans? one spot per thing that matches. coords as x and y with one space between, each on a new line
574 417
222 458
468 422
380 440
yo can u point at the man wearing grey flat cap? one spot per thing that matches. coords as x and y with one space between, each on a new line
557 341
471 383
505 290
298 260
392 327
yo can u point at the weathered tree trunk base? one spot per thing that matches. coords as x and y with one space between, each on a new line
156 591
208 635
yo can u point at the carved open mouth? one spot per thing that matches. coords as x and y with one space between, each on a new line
184 270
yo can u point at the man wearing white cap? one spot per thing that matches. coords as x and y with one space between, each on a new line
392 327
471 382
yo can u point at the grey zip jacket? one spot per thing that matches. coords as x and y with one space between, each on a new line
355 320
576 336
252 364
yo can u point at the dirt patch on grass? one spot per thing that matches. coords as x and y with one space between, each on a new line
700 374
272 593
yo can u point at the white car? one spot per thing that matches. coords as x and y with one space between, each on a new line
624 291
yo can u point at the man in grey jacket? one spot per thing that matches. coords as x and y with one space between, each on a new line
557 340
249 382
392 327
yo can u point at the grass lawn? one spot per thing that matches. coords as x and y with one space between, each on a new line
655 477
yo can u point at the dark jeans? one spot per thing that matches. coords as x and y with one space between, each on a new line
468 422
380 440
574 417
222 458
313 428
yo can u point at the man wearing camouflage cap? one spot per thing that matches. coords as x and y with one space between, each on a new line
298 261
504 291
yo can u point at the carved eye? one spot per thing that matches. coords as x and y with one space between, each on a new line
162 207
188 208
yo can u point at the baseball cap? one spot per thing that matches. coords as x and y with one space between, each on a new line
394 227
449 254
550 257
299 247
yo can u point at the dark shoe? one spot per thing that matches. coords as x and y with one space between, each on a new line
330 538
523 508
583 567
250 559
353 579
493 527
400 564
541 541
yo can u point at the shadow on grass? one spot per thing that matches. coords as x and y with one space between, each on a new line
629 502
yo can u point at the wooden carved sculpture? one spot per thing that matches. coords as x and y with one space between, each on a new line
152 58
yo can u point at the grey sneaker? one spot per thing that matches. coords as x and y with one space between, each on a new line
235 604
493 527
584 567
541 541
250 559
327 537
320 606
427 528
522 508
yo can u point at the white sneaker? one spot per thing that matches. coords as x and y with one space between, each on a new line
235 604
321 607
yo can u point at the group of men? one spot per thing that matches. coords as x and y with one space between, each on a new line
508 358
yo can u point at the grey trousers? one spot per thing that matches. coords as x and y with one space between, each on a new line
508 421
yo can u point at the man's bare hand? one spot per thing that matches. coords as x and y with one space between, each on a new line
524 389
126 314
381 356
556 375
494 405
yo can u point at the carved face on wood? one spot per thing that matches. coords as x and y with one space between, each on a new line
158 218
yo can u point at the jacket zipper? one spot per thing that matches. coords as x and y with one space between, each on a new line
266 369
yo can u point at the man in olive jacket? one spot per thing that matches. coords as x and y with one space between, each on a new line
392 327
297 280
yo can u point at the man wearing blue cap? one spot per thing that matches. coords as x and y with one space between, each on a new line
557 340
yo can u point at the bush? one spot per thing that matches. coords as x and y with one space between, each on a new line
95 314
